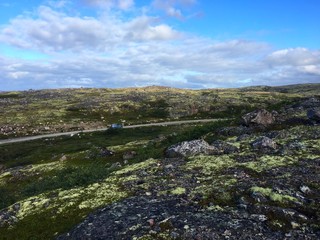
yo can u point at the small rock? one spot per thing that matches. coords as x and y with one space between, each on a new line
129 155
174 235
305 189
169 166
263 143
103 152
151 222
116 165
63 158
16 207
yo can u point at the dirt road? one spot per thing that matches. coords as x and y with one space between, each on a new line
24 139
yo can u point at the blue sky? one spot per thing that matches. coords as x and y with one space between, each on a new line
178 43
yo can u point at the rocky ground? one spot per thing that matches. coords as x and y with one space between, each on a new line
260 180
256 179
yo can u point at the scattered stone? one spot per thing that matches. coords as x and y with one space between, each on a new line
264 143
190 148
258 117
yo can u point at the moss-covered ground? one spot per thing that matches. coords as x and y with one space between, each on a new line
48 186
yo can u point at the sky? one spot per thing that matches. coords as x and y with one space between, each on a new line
178 43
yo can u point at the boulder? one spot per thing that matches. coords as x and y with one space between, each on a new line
190 148
264 143
258 117
314 115
224 147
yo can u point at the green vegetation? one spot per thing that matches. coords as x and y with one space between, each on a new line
35 112
55 183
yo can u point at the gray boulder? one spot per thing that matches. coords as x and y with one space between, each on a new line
264 143
190 148
258 117
314 115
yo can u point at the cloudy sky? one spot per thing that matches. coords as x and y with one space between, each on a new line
178 43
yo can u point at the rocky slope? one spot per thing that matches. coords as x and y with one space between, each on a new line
254 183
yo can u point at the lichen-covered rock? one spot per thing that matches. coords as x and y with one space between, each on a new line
258 117
314 115
190 148
224 147
264 143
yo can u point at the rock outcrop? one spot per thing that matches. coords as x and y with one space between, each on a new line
259 117
190 148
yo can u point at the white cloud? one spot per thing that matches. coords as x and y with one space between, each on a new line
51 30
113 51
294 56
173 7
141 28
107 4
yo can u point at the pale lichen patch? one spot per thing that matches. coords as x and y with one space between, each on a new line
128 145
135 167
274 196
210 164
178 191
269 161
44 167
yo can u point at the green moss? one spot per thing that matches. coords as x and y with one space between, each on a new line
276 197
